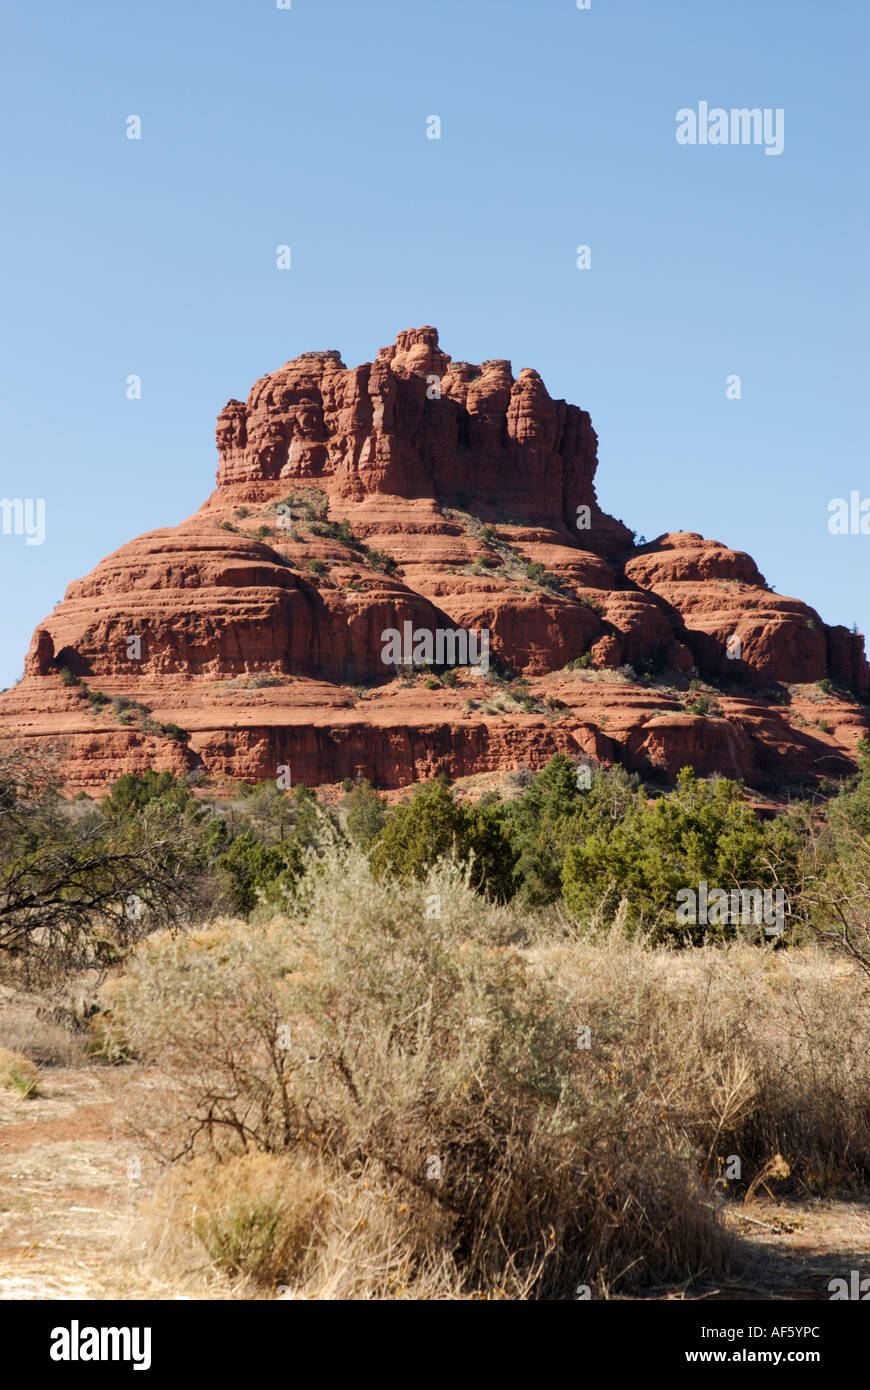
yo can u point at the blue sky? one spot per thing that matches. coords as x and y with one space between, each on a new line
307 127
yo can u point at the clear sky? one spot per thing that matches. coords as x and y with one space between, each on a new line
307 127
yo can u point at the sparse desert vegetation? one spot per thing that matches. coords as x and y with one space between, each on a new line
428 1051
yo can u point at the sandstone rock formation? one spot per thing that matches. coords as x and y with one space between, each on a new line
451 496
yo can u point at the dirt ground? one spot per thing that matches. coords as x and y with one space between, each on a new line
71 1183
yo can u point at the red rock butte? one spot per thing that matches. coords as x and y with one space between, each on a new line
416 488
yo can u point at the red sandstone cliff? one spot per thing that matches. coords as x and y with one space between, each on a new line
260 618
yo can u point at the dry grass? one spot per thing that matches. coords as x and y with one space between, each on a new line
18 1072
286 1226
257 1216
749 1051
28 1024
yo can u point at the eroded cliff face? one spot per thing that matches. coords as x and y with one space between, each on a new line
418 489
414 424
